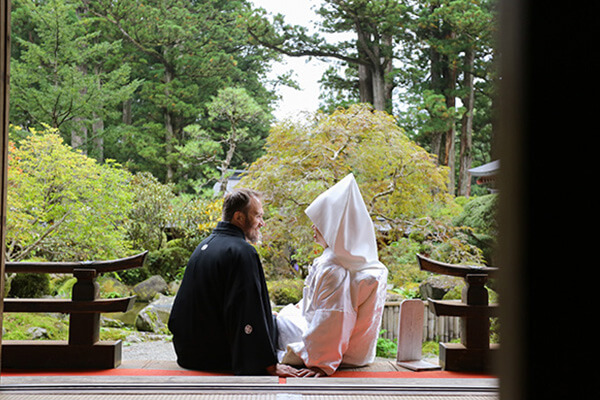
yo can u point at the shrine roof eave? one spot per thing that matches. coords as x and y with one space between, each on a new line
488 169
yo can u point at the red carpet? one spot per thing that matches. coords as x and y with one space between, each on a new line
173 372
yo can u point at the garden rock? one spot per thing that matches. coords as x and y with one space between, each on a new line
113 286
155 316
111 323
436 286
148 289
38 333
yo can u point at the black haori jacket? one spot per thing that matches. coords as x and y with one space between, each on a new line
221 318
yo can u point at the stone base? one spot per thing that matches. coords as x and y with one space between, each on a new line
418 365
58 354
456 357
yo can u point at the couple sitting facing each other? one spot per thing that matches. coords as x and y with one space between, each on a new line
222 320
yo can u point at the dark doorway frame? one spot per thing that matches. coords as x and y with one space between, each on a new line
534 363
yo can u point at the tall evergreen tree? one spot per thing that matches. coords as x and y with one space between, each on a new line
185 51
59 77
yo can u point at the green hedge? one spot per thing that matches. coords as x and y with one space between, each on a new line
285 291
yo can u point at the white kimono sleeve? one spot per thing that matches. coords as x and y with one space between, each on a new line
330 321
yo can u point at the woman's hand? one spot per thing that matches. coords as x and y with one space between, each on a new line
312 372
283 370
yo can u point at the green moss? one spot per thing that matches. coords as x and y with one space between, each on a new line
65 290
107 333
16 325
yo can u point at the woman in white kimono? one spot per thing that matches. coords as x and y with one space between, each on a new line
337 321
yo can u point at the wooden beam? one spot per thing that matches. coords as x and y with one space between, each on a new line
438 267
120 264
67 306
58 354
456 308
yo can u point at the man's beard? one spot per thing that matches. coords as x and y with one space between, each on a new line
253 236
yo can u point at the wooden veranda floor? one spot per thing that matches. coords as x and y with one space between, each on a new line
165 380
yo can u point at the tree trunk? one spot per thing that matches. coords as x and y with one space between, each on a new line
451 132
79 135
127 119
169 130
436 78
98 127
79 132
372 75
464 178
232 142
379 98
98 135
365 84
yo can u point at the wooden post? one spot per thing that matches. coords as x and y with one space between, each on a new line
84 328
475 330
4 96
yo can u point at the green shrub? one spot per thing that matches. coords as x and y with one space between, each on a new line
430 349
29 286
167 262
480 214
285 291
385 347
134 276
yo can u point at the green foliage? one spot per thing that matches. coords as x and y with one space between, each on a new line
430 349
63 205
386 348
285 291
150 213
134 276
403 187
185 52
29 286
480 214
167 262
399 258
235 115
407 293
59 73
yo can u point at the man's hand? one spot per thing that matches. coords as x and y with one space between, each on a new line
282 370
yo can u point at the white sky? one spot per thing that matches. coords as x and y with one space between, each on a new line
307 72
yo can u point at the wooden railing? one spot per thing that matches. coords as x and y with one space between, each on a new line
474 352
83 350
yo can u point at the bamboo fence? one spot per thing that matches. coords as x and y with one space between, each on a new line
435 328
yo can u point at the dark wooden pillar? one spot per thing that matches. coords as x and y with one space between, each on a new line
84 328
4 93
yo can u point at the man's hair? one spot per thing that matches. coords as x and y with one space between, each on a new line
238 200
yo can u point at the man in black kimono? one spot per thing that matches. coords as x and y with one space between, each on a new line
221 318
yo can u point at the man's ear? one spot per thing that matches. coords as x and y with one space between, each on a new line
239 218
